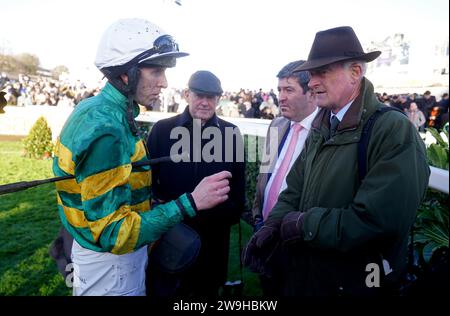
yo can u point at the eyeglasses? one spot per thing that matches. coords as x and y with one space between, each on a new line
163 44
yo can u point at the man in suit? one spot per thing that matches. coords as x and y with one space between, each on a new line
343 235
213 144
298 109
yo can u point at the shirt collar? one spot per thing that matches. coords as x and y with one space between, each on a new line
307 121
341 113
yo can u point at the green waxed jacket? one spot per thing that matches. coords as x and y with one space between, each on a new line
107 207
349 224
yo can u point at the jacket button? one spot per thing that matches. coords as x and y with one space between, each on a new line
310 234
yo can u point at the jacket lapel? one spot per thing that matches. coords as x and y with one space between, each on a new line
282 127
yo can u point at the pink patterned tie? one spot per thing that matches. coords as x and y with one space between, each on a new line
282 171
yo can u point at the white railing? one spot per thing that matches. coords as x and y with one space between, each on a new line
257 127
19 120
438 179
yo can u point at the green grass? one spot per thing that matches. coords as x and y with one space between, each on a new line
252 286
14 167
29 223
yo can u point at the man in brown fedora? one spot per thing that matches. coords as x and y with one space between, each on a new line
344 231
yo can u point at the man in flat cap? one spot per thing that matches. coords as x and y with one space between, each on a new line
344 222
213 145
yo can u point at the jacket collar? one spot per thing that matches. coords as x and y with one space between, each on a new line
185 119
362 107
115 96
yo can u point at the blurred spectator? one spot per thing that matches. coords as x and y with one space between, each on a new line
443 103
2 101
442 117
416 116
413 98
157 105
427 103
228 107
269 107
395 102
255 106
249 110
241 106
403 102
267 114
259 96
274 97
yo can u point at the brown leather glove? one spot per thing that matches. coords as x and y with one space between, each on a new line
261 246
292 227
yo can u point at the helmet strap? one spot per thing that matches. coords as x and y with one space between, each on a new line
130 115
128 90
133 79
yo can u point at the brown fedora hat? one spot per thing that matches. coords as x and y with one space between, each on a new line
333 45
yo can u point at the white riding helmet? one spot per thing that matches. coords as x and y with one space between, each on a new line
129 44
132 42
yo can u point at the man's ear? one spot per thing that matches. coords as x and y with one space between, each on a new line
186 93
356 71
124 78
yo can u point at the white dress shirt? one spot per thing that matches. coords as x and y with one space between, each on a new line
303 134
341 113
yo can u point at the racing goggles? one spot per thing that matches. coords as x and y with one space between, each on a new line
162 45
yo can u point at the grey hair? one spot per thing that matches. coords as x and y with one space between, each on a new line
302 77
361 63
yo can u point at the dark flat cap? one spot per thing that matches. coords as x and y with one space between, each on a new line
205 82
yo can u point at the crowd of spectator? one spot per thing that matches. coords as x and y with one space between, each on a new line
423 110
37 90
245 103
